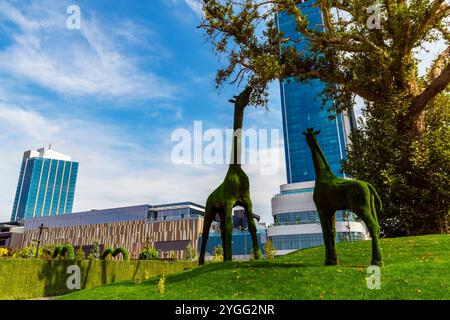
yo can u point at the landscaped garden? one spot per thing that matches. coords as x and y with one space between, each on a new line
415 268
26 275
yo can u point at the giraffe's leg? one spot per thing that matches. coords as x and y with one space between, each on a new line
365 214
376 250
228 226
222 227
327 234
332 225
209 217
248 207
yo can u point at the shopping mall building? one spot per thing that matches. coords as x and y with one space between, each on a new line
169 228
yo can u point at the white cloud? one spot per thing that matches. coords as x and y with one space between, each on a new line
114 171
195 6
75 62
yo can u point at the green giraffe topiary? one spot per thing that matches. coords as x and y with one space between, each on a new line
234 190
332 193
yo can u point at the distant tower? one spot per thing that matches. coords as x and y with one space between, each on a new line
296 219
46 185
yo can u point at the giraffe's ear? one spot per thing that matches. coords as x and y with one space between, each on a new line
232 101
317 132
304 133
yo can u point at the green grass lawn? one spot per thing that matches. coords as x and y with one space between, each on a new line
415 268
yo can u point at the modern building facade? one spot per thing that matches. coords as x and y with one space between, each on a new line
302 108
242 245
297 224
296 219
11 235
169 228
46 185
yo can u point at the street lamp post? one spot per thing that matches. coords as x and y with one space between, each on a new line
148 239
41 229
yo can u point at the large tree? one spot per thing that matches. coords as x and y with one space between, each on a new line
414 184
352 56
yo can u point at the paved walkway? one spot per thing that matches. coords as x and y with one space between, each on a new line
46 298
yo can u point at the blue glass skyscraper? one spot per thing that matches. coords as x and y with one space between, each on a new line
46 185
302 109
296 221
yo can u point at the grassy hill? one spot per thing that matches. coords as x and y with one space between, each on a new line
415 268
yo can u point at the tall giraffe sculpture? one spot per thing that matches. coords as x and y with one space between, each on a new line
332 193
234 191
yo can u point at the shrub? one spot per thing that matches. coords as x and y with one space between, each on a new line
65 251
190 253
8 252
80 254
4 252
48 250
149 254
57 251
95 252
161 287
269 249
218 253
30 252
68 251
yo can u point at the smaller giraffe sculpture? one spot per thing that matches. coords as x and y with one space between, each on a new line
234 191
332 193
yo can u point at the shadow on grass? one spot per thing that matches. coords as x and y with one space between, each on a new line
54 275
217 267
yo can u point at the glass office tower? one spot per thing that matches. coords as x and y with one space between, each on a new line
46 185
296 219
302 109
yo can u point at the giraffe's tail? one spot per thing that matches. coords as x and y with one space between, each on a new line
378 204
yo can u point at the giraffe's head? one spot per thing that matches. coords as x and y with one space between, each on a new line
243 99
311 135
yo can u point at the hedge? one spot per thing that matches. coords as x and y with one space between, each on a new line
33 278
65 250
106 253
114 253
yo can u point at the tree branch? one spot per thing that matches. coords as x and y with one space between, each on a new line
437 11
439 84
439 64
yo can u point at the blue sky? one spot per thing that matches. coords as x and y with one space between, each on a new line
111 94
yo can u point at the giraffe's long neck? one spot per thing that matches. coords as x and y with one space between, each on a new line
236 146
321 166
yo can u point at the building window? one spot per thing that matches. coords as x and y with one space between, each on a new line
310 217
301 241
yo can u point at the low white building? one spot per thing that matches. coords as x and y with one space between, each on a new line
297 224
